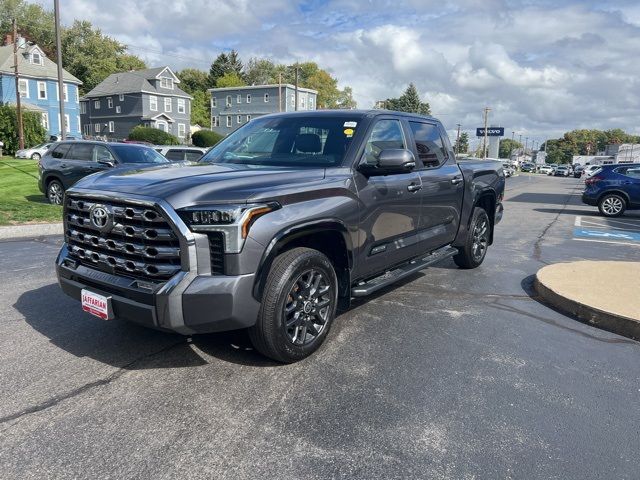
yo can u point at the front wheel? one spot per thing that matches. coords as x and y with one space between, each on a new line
35 156
472 254
55 192
612 205
298 306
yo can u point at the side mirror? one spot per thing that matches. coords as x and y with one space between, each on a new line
392 160
106 162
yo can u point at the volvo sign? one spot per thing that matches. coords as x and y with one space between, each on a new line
491 132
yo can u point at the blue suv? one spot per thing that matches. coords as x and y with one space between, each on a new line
614 189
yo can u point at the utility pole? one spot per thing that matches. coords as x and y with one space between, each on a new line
457 149
63 126
280 91
17 77
513 134
296 94
484 145
526 144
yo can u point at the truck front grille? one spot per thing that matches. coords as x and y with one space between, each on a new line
216 252
138 242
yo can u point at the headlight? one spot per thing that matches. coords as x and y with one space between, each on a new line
233 220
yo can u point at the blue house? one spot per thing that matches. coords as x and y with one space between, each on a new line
38 87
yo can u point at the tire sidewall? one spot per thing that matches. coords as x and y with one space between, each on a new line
609 195
35 156
308 260
48 192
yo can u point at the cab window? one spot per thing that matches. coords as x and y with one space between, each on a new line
386 134
429 145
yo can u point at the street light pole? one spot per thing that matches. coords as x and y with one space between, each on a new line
63 123
484 145
457 149
17 79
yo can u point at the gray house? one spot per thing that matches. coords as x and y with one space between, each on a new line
235 106
124 100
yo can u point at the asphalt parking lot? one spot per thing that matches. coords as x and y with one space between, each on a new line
453 374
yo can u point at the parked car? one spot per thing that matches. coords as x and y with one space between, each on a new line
577 171
528 167
181 153
34 153
272 236
561 171
546 169
67 162
614 189
508 170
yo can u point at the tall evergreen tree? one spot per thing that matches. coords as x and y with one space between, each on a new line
409 101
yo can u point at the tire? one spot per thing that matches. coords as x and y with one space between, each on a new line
612 205
283 331
472 254
55 192
35 156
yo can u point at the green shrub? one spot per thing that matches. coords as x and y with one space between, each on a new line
152 135
205 138
34 132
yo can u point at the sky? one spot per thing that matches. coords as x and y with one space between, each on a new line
543 67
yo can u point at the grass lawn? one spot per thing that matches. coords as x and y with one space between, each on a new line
20 199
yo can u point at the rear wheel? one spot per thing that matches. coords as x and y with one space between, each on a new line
35 156
472 254
55 192
612 205
298 306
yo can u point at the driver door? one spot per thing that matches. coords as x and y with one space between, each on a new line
390 205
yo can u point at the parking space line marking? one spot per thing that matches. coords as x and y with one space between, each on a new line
606 241
608 234
606 227
578 222
624 223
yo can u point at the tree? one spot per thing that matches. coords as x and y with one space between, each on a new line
205 138
193 80
92 56
409 101
345 99
260 71
201 109
507 146
224 64
34 132
230 79
462 143
34 23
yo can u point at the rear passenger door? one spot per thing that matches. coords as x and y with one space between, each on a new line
442 184
81 161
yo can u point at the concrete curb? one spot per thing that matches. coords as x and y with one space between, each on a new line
14 232
554 295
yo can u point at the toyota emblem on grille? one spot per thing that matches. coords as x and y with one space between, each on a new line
101 217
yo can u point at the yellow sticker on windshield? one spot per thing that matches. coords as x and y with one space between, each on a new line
348 132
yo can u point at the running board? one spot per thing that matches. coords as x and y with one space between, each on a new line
367 288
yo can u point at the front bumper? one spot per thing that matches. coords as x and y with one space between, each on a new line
185 304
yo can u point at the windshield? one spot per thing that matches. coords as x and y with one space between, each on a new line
287 141
137 154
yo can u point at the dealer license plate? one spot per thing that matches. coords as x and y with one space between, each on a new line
97 305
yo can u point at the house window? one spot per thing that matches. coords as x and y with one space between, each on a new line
118 109
153 103
248 98
182 106
266 97
96 127
23 87
96 105
162 125
215 122
302 104
228 100
239 119
239 99
42 90
77 94
121 97
248 118
36 58
181 130
214 102
228 120
86 128
112 127
109 102
83 107
311 103
45 120
167 104
65 92
293 101
67 123
166 82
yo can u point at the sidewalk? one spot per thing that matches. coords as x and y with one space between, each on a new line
30 231
604 294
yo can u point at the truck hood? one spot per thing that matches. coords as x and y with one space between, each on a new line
189 184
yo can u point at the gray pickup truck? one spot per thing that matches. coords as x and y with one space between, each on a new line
282 223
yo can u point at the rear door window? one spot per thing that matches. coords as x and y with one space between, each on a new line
61 151
81 152
175 155
429 145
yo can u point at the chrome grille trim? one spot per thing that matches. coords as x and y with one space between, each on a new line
140 244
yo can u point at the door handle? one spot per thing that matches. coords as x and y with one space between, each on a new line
414 187
456 180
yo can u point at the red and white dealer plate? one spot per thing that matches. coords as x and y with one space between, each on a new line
97 305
